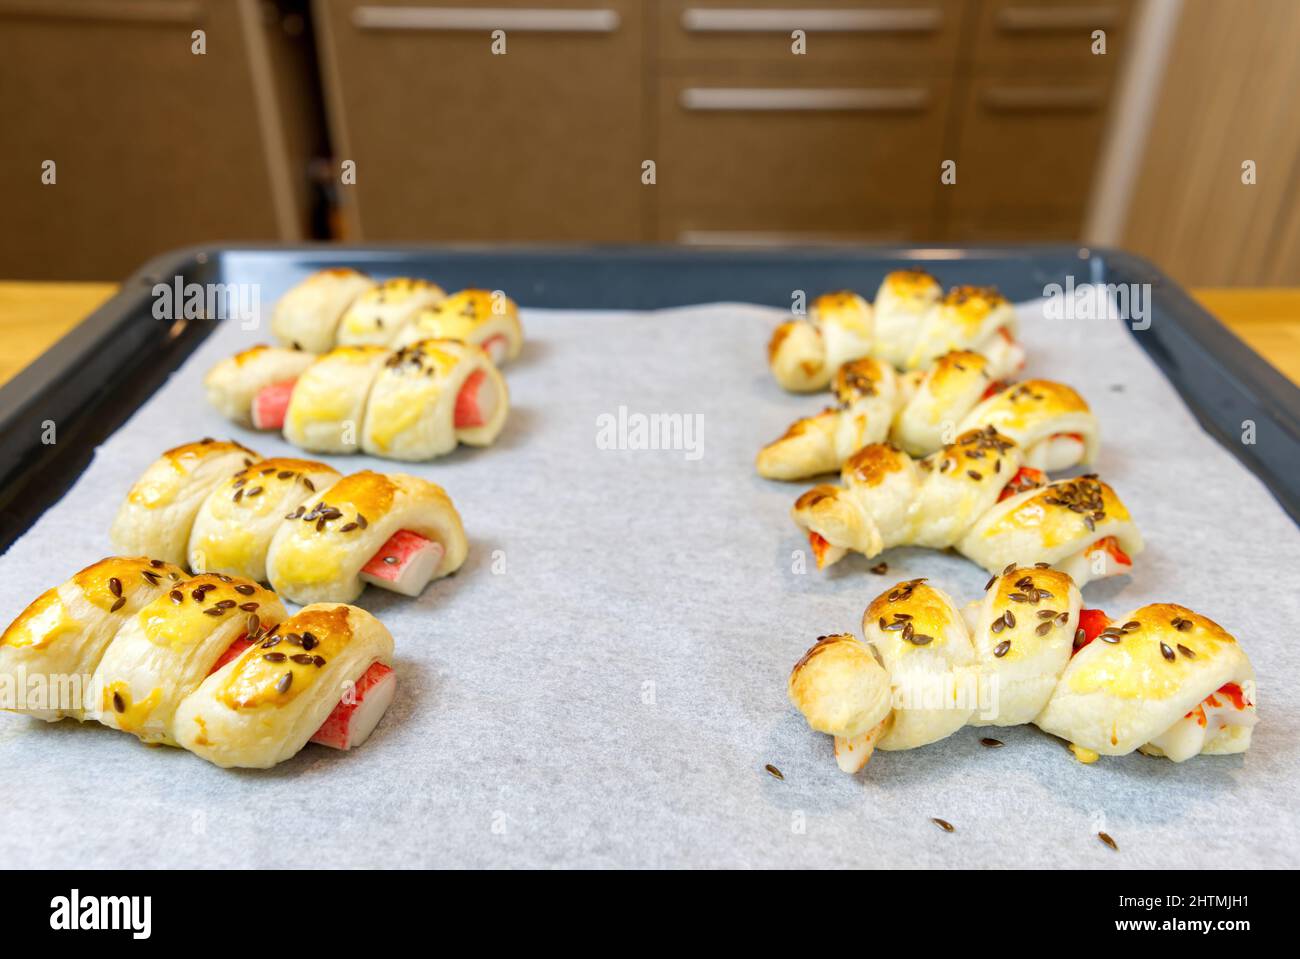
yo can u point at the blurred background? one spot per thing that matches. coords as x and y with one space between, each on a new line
1137 123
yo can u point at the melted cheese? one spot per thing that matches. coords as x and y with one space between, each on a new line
1084 756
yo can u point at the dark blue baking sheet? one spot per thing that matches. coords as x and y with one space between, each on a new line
93 379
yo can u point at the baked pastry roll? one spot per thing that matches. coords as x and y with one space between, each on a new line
1050 422
904 303
323 674
163 653
1023 631
159 511
307 317
233 529
481 317
53 647
974 495
432 395
911 682
379 315
977 318
867 391
242 386
328 402
933 403
1161 679
396 531
804 354
1078 526
843 690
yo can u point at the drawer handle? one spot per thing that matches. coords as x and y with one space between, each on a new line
522 20
1031 99
1046 19
701 20
796 98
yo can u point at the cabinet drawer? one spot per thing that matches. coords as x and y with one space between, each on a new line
859 147
1049 35
454 142
1026 146
857 34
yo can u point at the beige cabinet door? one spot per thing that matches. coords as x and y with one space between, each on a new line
518 121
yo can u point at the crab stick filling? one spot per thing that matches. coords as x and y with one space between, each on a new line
823 551
1026 478
853 754
1226 706
357 713
271 404
1059 451
404 564
496 346
1004 351
475 403
1111 546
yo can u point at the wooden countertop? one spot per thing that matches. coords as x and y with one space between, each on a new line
34 315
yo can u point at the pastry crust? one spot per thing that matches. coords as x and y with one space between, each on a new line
307 317
156 518
867 392
318 557
804 354
1023 632
904 303
1034 413
1152 678
234 382
379 315
328 404
61 636
260 709
977 318
938 402
840 687
480 317
412 408
233 529
162 654
1061 523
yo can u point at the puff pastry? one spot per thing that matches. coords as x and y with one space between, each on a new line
159 510
235 384
1162 679
59 639
920 412
208 663
480 317
415 403
161 654
973 495
339 540
911 325
380 314
286 688
307 317
316 536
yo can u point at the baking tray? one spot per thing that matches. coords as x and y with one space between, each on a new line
94 378
612 694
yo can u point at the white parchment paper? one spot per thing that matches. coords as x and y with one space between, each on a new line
604 681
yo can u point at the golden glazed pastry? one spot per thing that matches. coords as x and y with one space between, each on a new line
159 510
61 636
307 317
234 384
973 495
288 688
920 412
867 394
208 663
379 315
1162 679
415 403
314 535
911 325
480 317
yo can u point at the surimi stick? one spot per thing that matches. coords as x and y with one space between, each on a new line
359 711
271 404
